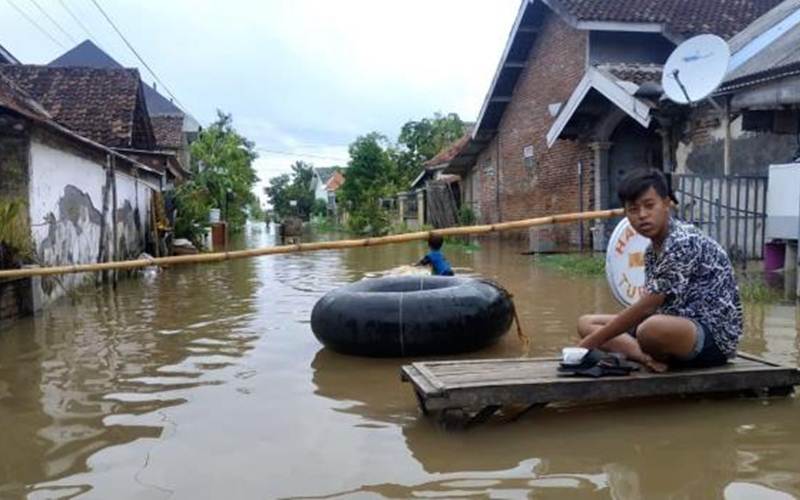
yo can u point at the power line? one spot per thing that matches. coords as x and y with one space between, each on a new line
55 23
163 85
302 155
77 20
33 22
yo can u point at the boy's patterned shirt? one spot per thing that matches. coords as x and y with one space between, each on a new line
695 274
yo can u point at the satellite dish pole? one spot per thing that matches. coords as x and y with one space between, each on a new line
695 69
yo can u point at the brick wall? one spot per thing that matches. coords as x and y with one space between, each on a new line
556 64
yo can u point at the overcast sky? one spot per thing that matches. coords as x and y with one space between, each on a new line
303 78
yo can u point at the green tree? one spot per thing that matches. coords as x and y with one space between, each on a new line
223 177
284 189
371 175
421 140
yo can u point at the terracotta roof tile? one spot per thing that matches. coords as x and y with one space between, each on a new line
105 105
168 130
684 17
447 154
635 73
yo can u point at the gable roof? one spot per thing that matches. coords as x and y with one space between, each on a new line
446 155
14 98
325 173
105 105
6 57
168 130
87 54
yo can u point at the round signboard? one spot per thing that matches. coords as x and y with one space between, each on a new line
625 263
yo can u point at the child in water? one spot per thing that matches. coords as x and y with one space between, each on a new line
435 258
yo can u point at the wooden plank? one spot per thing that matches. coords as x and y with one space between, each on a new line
438 385
477 384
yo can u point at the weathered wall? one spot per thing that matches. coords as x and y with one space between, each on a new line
70 223
556 64
701 149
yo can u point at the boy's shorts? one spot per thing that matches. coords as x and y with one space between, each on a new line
705 353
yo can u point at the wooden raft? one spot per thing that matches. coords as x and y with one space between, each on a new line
479 388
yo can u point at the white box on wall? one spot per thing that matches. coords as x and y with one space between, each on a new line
783 202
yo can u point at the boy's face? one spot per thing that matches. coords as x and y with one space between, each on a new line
649 214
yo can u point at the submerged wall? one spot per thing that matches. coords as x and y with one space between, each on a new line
71 212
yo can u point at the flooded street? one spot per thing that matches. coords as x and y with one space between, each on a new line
206 382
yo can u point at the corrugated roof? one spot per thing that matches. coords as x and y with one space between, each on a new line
769 47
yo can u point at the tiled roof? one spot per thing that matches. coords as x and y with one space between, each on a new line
325 173
635 73
105 105
15 99
168 130
87 54
335 182
447 154
684 17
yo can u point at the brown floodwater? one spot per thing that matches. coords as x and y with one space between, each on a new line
207 383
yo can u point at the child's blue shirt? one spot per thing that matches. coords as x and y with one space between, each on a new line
436 259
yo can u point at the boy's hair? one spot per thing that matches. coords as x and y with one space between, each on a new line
639 180
435 242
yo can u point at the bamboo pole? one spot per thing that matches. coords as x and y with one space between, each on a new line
311 247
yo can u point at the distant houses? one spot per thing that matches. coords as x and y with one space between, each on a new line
325 183
81 153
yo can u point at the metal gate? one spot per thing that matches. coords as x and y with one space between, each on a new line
731 209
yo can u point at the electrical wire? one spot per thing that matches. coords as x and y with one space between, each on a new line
78 21
141 60
302 155
33 22
55 23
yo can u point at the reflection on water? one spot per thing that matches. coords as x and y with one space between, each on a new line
206 382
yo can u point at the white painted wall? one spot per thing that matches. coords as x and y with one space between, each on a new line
320 192
65 208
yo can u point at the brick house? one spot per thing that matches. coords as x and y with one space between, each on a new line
568 111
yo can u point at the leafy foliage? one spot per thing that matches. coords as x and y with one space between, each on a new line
284 189
223 177
371 175
15 241
421 140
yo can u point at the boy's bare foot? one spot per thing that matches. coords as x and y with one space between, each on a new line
655 366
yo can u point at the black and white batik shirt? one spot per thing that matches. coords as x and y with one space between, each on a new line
695 274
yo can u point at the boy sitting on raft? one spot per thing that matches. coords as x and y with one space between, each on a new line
690 314
435 258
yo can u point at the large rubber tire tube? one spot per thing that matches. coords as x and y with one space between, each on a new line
412 316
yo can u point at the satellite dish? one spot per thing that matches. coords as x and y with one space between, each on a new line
696 69
625 263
